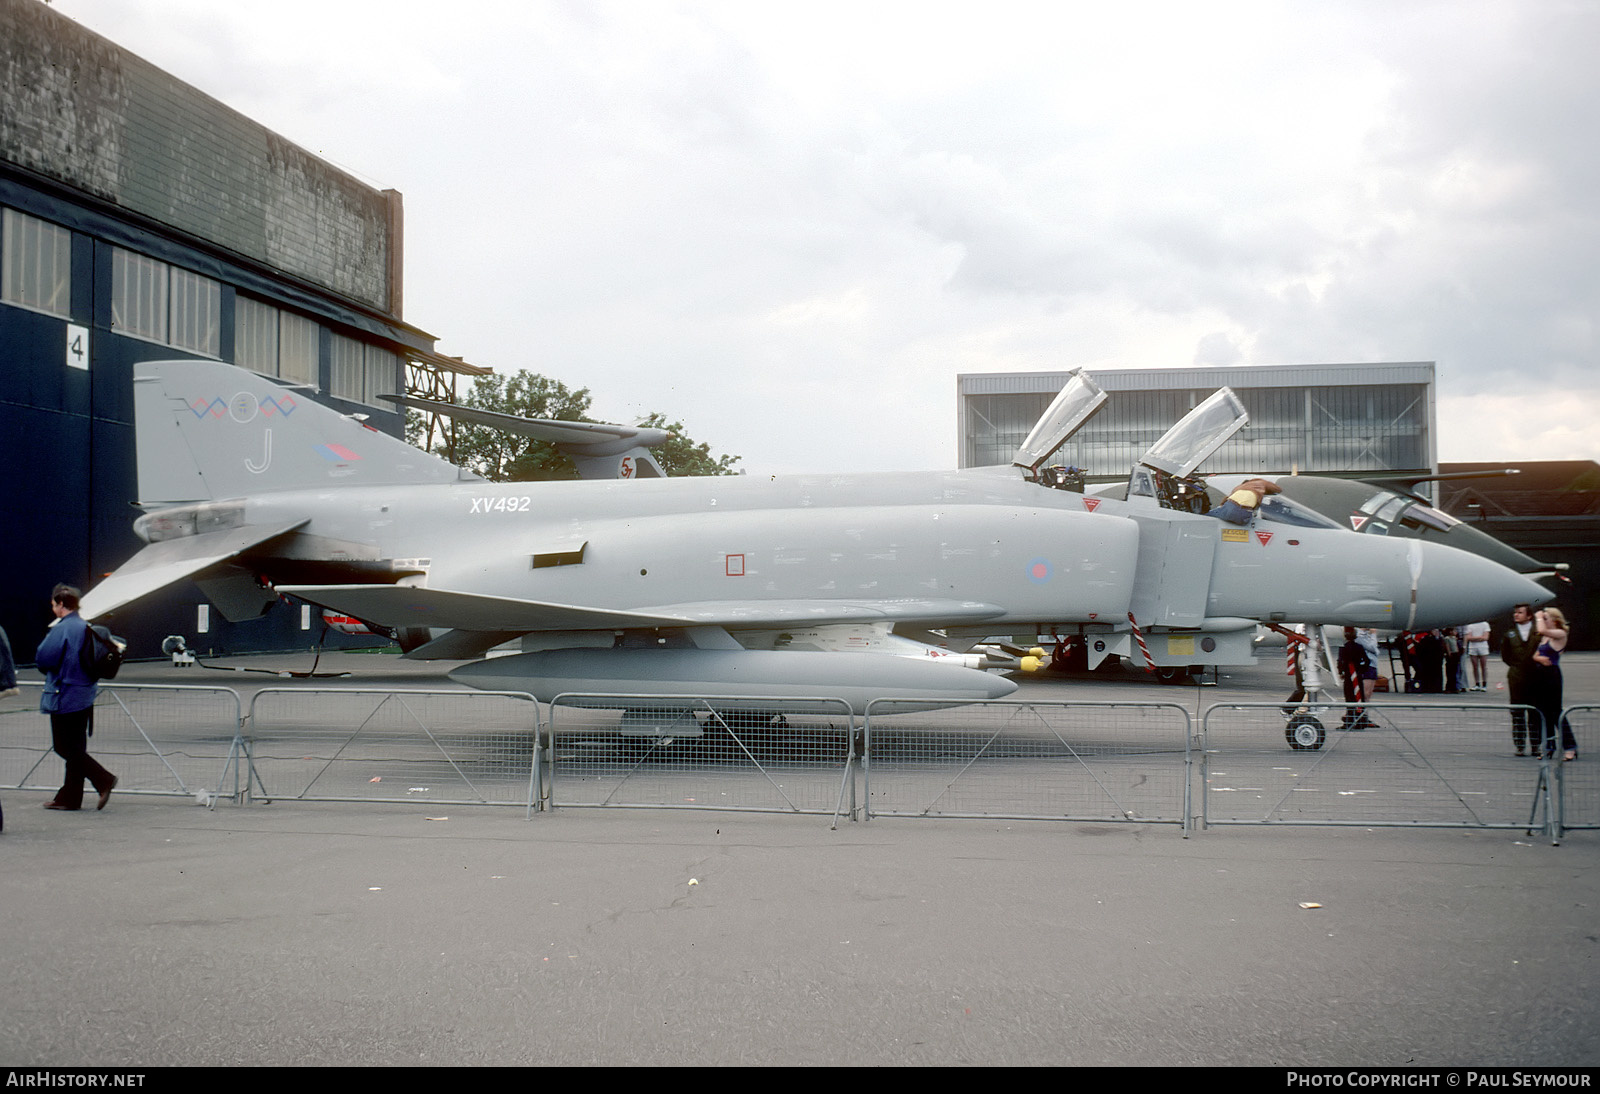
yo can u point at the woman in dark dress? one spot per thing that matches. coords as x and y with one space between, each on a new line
1551 626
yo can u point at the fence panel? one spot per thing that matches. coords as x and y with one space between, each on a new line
175 739
752 754
1029 760
1580 782
360 744
1432 764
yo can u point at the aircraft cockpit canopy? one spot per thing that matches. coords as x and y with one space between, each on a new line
1197 435
1078 401
1385 509
1166 471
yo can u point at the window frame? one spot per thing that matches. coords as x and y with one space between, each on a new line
22 257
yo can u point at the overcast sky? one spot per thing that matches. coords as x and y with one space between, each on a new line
791 225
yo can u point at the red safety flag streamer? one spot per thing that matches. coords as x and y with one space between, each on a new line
1149 665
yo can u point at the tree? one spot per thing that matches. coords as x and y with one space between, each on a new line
679 455
509 457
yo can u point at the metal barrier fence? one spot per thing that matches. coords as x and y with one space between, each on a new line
1029 760
1423 764
357 744
731 753
1579 783
176 739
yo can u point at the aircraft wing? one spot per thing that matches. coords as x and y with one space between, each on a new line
162 563
408 606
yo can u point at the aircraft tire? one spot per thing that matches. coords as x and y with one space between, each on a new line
1305 733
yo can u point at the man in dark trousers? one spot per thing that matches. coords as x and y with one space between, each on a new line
1353 666
1517 647
69 695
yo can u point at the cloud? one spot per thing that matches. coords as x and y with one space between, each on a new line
726 210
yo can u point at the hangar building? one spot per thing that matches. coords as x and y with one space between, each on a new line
141 219
1328 419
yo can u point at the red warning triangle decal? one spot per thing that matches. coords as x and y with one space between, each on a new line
1264 537
1357 520
1091 504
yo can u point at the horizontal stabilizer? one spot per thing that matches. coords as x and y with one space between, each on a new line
160 564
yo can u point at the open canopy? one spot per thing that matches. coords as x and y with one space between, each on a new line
1197 435
1078 401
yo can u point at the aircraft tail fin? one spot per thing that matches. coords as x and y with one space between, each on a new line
207 431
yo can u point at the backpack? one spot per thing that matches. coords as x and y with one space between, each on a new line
101 654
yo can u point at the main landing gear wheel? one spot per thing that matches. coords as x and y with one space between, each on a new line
1305 732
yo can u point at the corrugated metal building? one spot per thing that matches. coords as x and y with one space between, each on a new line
141 219
1335 419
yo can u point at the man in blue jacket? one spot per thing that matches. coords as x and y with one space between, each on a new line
69 695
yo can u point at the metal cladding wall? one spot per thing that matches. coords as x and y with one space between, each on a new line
98 142
1324 418
1551 510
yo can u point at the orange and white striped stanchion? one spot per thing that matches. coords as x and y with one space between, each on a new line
1138 636
1291 650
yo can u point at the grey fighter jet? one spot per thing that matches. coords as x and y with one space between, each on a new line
696 587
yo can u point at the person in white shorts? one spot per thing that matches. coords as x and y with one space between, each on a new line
1477 636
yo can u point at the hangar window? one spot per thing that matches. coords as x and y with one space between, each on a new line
347 375
138 296
162 303
255 335
383 374
278 343
36 268
297 348
361 372
196 312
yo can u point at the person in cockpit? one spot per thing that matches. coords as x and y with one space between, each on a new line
1246 498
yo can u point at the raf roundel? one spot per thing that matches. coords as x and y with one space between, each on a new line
1038 571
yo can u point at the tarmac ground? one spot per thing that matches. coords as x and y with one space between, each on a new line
157 933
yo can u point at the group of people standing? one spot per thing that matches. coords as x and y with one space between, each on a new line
1532 651
1437 661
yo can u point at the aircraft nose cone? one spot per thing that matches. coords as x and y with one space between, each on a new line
1454 587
